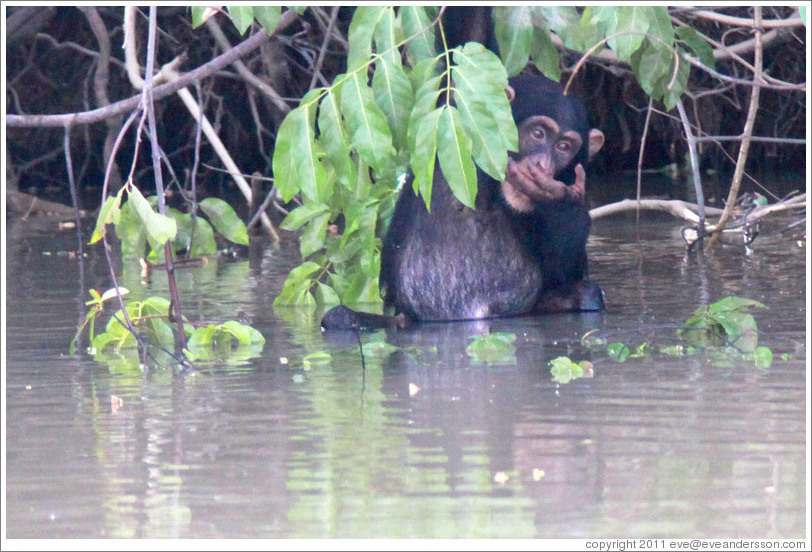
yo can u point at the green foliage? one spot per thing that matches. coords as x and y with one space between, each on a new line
565 370
724 323
96 305
242 16
348 147
150 319
230 340
617 351
724 330
137 223
494 348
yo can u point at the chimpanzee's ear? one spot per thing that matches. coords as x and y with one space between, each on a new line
511 94
596 140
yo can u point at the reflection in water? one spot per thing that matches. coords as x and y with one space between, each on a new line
421 439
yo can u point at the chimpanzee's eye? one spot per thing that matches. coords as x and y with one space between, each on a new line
537 133
563 147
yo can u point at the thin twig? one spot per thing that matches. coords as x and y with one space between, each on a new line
700 196
180 337
323 50
640 155
748 129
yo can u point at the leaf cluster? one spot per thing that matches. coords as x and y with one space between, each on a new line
150 320
723 330
407 110
137 223
348 147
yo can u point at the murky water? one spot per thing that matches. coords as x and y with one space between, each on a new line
423 441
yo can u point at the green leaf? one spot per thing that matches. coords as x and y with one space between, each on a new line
268 17
103 340
422 73
454 155
296 289
387 36
565 370
312 239
591 28
131 232
203 239
360 34
479 78
417 26
202 338
246 335
303 214
561 19
362 289
489 151
545 55
676 86
496 348
335 139
369 132
650 65
296 162
326 295
741 329
425 154
197 15
379 348
108 214
481 66
425 102
513 26
204 243
159 227
634 21
763 357
617 351
225 220
393 93
700 47
660 26
734 303
241 16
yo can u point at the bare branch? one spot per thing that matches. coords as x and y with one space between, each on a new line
124 106
747 132
678 208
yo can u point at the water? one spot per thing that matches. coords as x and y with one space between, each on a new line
426 441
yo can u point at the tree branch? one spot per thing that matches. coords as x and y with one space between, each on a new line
124 106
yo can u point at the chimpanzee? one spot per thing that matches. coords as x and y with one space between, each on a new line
521 251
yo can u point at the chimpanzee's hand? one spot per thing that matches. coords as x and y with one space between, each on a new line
527 183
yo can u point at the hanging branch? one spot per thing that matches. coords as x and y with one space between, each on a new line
746 133
640 155
175 310
101 78
169 73
700 196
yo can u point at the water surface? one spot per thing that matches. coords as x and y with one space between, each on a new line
426 440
